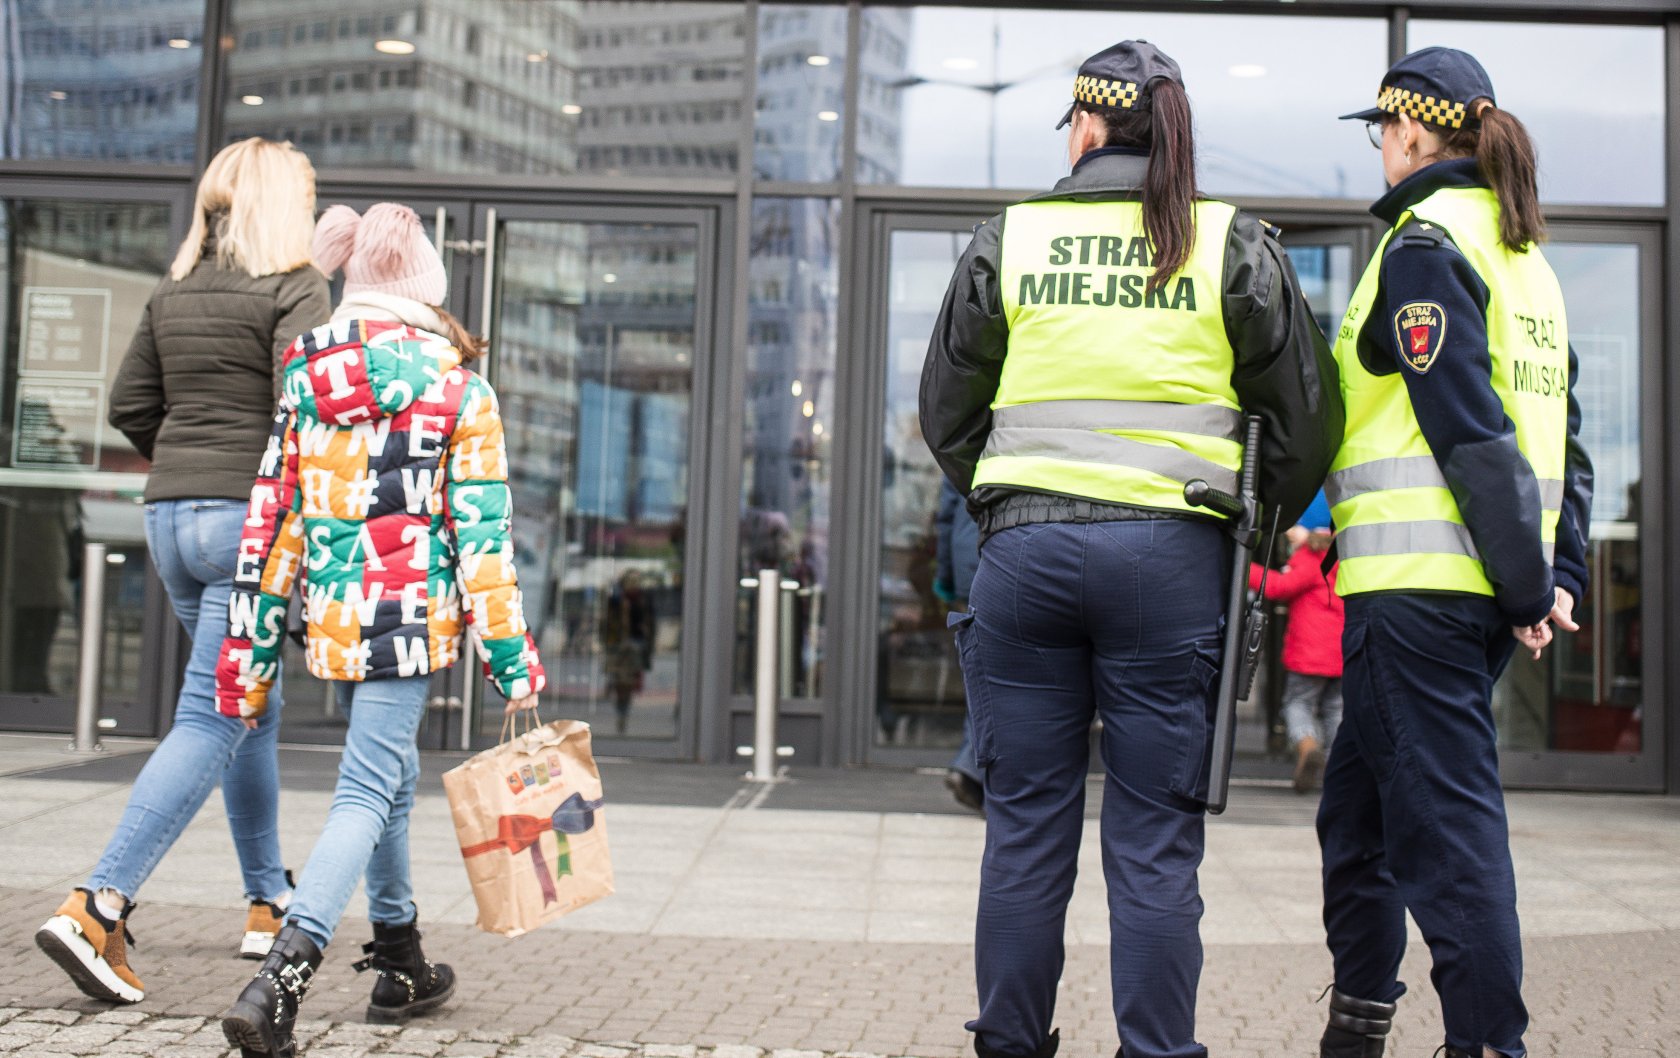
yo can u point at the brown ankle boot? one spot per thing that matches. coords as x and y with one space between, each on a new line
91 948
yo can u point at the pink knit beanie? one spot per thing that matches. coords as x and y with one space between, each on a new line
384 251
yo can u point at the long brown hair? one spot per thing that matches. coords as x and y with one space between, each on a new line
1506 157
468 344
1169 184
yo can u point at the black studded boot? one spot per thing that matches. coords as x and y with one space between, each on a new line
408 985
1358 1027
261 1019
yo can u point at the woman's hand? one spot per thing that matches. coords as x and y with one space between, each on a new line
520 705
250 722
1563 612
1534 638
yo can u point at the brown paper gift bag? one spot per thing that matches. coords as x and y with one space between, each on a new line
532 833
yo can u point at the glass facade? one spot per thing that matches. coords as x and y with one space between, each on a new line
708 240
518 87
1603 145
978 93
100 81
789 433
594 361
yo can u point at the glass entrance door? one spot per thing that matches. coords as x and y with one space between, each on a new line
597 326
919 701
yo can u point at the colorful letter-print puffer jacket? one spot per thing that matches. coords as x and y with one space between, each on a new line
385 486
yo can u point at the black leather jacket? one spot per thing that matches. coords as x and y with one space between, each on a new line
1283 368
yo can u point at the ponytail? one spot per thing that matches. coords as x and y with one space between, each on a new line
1169 184
468 344
1505 154
1506 158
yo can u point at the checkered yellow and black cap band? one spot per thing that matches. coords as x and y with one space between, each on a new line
1102 92
1444 112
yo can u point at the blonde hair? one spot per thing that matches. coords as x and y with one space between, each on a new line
262 196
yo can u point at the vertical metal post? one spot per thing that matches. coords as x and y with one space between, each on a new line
91 677
766 685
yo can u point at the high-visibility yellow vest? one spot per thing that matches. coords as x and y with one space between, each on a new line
1398 527
1108 392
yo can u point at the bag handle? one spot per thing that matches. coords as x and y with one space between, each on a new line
511 725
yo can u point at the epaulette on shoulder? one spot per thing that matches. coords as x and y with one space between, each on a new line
1417 232
1269 228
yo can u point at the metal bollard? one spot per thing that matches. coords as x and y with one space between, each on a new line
91 677
767 685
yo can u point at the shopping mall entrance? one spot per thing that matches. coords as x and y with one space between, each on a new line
1575 718
695 391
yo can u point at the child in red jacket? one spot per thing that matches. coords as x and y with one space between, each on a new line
1312 652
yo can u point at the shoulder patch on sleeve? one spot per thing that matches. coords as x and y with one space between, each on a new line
1419 329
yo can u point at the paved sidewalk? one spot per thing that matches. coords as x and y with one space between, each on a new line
742 923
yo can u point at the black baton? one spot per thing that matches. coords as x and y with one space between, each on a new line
1244 625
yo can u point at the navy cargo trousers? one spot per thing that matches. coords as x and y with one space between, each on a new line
1412 815
1070 622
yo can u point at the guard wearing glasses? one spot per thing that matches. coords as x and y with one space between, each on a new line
1094 353
1461 495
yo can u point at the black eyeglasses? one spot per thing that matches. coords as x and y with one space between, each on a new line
1374 129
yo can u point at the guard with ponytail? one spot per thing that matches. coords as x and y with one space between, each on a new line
1461 496
1097 350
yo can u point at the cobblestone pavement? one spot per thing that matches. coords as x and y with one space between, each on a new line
743 931
1592 995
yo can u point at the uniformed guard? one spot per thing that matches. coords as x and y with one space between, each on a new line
1095 352
1461 497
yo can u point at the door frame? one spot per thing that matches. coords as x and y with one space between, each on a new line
704 562
1644 771
874 223
149 710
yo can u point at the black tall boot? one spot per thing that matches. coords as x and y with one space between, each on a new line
1358 1027
408 985
261 1019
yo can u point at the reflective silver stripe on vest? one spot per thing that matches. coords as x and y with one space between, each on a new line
1208 420
1551 494
1411 472
1405 538
1550 549
1379 475
1088 446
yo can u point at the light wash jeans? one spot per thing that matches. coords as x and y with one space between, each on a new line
367 826
193 545
1312 708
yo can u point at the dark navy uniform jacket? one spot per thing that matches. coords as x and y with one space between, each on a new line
1461 416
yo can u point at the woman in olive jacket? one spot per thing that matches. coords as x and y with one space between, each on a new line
195 395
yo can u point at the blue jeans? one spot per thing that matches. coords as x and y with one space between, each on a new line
193 544
1312 707
1412 815
1069 622
367 826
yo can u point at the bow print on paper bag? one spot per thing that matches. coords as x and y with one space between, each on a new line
517 833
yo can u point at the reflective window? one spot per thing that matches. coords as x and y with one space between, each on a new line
593 361
526 87
1587 693
970 97
1602 144
801 92
43 536
789 432
926 569
77 276
115 81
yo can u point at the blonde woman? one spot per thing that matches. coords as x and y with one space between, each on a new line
195 395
